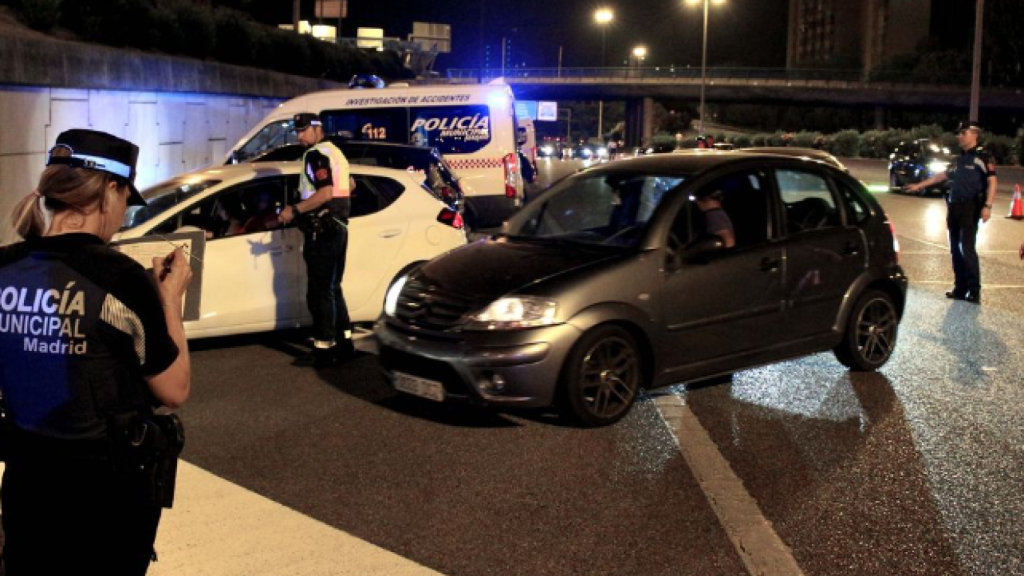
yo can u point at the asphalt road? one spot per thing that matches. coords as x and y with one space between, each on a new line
917 469
799 467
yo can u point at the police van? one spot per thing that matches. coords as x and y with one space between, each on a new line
473 127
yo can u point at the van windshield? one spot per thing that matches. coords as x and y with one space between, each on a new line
270 137
451 129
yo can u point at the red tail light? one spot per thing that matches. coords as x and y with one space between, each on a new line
451 218
511 163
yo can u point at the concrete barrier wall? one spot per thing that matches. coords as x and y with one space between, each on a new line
182 113
175 132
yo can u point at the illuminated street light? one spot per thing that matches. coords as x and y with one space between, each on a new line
603 17
639 53
703 58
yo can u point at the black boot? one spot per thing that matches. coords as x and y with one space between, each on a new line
344 351
317 358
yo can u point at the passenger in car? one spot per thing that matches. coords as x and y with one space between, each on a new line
716 220
228 218
265 217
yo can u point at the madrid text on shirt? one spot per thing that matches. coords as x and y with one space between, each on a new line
49 318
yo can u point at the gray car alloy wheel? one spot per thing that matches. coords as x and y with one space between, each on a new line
603 376
870 333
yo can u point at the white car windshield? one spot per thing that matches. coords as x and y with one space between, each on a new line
163 197
610 209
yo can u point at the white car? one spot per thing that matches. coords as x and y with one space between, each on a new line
253 274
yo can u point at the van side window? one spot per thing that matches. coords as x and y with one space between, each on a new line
376 124
451 129
807 200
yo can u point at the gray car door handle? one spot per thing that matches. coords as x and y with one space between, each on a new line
389 233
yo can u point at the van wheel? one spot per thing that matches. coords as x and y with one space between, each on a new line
870 335
601 377
894 182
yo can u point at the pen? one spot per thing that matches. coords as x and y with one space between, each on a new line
167 263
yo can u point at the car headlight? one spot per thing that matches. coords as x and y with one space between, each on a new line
391 298
936 166
514 312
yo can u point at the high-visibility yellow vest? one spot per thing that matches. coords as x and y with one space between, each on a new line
339 171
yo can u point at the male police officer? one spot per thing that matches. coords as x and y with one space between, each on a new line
324 208
970 197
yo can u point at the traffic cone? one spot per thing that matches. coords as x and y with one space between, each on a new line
1016 208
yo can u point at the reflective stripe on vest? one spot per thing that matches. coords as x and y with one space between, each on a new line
337 160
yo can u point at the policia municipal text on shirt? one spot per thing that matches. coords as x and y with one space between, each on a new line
91 344
970 198
325 186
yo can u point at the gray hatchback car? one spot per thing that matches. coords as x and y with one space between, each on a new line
610 281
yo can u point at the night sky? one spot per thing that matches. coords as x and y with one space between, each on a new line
741 32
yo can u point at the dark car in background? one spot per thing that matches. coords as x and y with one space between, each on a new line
917 160
438 175
606 283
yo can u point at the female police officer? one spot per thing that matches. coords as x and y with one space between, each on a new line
86 335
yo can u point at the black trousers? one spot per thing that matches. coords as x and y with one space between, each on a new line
324 253
75 518
962 222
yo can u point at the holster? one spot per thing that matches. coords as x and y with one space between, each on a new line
322 224
150 445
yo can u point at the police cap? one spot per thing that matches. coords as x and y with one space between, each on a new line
968 125
81 148
304 120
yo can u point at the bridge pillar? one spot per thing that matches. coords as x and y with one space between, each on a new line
639 121
880 117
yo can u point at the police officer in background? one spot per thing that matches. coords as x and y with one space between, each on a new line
323 217
88 340
970 198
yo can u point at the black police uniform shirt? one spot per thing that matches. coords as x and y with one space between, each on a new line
81 325
318 169
969 175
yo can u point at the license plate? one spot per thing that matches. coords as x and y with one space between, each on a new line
421 387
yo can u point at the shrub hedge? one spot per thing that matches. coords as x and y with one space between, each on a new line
199 30
874 143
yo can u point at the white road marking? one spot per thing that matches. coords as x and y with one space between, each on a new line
752 535
986 286
218 528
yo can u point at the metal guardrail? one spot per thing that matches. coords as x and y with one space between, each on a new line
655 73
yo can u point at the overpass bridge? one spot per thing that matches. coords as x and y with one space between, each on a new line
639 87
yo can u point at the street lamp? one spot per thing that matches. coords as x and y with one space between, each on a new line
703 58
603 16
639 53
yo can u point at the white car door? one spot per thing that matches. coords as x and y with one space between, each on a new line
251 266
377 233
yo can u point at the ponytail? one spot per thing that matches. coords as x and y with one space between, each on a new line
28 217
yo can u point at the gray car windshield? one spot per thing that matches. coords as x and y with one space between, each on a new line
163 197
608 209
